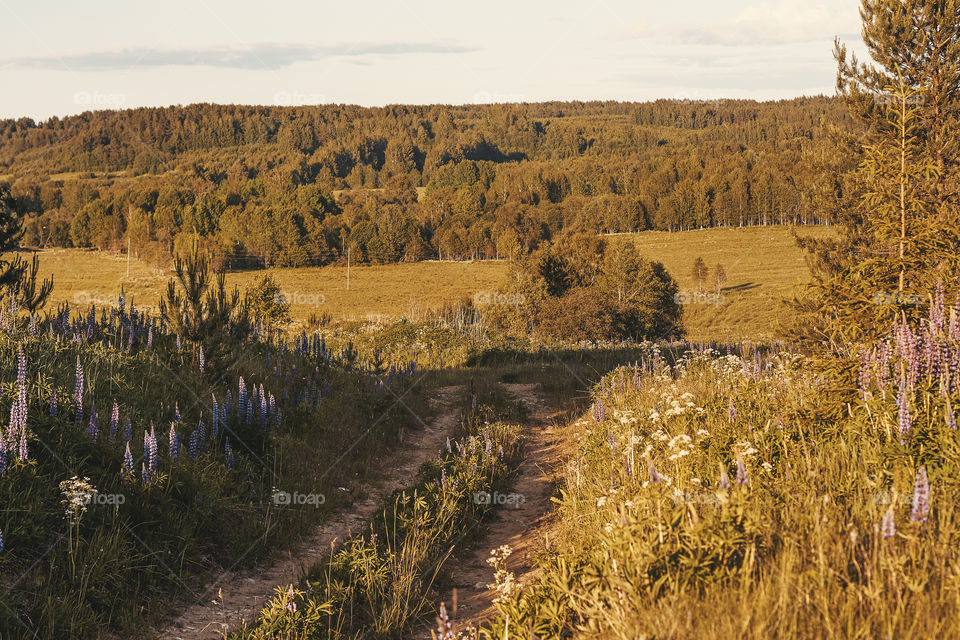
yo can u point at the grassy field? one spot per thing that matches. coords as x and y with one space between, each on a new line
375 291
763 266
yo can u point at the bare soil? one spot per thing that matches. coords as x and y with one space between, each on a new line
244 593
523 527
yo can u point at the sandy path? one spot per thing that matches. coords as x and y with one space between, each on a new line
521 526
245 592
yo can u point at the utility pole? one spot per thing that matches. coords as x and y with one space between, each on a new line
348 268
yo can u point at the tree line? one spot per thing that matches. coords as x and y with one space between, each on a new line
294 186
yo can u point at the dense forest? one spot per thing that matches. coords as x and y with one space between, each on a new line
291 186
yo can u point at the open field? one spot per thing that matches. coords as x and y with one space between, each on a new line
375 291
763 266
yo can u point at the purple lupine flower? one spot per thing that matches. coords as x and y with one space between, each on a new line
23 453
53 402
652 470
176 413
128 431
249 417
937 315
127 461
724 478
194 449
888 528
903 409
216 415
262 400
444 625
153 448
144 476
743 479
173 451
201 358
78 392
864 379
93 429
114 421
921 497
146 446
3 457
150 336
731 412
202 435
242 398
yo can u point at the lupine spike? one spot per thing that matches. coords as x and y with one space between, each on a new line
173 451
743 479
724 477
888 527
114 420
127 461
93 429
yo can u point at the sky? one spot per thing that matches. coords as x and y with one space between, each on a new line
63 57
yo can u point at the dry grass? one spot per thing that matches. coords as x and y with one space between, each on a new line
763 266
375 291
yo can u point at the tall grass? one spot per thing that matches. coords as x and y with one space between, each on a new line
380 584
711 499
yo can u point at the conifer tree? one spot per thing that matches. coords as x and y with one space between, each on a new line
17 277
898 223
700 273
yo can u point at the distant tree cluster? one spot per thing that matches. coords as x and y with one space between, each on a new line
265 186
588 289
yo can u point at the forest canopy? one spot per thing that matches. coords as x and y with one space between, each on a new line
295 186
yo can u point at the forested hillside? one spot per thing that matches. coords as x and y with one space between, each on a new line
293 186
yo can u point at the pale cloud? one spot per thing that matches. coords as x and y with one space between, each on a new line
780 23
252 57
